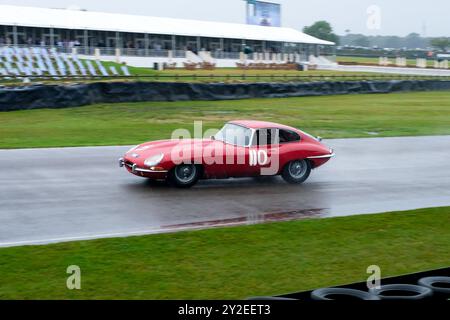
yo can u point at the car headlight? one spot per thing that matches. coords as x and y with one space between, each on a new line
154 160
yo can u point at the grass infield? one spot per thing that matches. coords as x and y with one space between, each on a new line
375 60
232 263
345 116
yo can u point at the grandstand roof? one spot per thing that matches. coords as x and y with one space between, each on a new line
75 19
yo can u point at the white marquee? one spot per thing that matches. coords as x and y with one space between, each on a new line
81 20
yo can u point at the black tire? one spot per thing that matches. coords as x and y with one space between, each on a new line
344 293
184 175
418 291
297 171
431 283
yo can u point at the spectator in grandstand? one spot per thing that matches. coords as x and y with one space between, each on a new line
157 46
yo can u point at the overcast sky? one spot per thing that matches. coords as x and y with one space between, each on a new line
371 17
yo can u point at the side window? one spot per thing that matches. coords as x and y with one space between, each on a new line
266 137
287 136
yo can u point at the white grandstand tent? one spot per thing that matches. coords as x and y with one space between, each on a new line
86 20
58 42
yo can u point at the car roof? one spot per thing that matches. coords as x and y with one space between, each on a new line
253 124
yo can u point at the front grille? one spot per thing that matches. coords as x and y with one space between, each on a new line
129 164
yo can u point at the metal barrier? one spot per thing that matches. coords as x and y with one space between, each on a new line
225 55
179 54
105 51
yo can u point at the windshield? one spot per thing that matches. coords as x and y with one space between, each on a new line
235 135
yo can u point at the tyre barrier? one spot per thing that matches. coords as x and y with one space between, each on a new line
427 285
433 284
76 95
342 294
402 292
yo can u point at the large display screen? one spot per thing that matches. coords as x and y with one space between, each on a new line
263 13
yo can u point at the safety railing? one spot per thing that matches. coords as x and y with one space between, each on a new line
162 53
105 51
225 55
179 54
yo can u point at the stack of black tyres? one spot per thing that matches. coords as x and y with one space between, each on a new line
439 285
436 288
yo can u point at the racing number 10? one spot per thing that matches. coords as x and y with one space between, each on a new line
258 157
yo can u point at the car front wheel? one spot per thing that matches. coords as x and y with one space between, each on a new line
296 171
184 175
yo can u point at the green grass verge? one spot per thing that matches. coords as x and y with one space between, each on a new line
232 263
345 116
222 74
237 75
132 70
409 62
234 75
227 75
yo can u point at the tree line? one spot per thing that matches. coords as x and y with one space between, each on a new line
323 30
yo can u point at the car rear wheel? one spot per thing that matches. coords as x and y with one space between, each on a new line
184 175
296 171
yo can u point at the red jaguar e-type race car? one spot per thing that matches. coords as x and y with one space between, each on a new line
241 149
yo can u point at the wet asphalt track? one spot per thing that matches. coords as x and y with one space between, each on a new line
52 195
